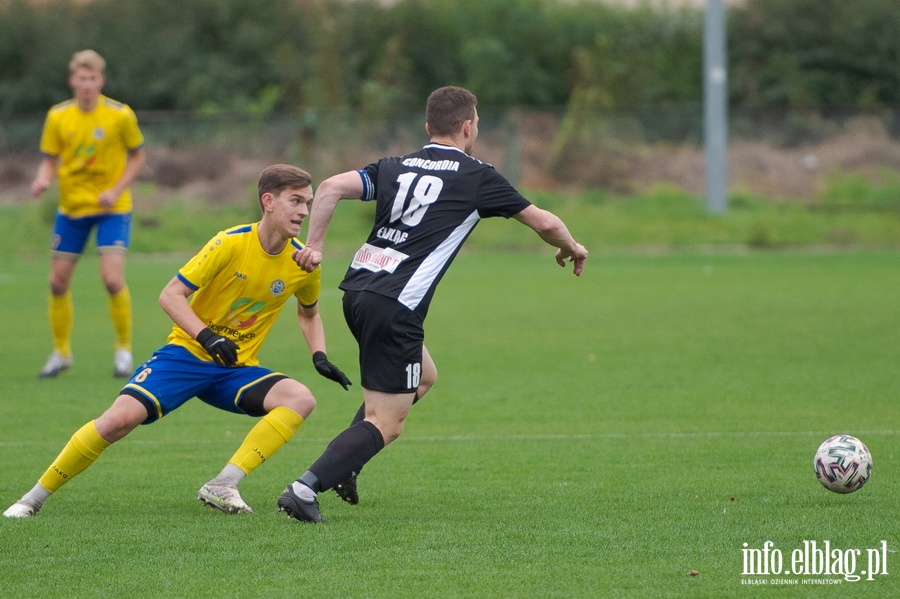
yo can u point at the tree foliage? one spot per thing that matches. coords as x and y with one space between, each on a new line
264 55
815 54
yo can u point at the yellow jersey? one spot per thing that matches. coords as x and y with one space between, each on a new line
239 290
92 148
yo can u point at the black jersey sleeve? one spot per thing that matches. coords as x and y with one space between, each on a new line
497 196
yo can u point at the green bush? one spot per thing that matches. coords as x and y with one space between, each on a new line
857 191
263 55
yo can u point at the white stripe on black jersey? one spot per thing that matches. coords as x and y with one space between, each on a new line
427 204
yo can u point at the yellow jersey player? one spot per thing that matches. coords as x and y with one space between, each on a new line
223 302
94 146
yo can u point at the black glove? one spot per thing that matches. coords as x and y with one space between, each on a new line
222 350
329 370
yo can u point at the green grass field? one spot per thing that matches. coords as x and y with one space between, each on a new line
592 437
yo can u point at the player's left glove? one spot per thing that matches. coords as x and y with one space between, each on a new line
329 370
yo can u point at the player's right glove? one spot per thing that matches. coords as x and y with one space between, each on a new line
221 349
329 370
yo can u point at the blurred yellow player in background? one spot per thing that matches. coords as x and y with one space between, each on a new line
95 147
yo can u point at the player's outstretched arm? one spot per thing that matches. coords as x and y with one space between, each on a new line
330 192
553 230
314 332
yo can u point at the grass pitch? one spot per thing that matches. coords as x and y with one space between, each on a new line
624 434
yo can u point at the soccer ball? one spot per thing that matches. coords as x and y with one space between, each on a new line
843 464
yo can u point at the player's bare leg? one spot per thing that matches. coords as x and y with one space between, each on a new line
348 489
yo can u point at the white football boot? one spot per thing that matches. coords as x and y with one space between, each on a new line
123 364
20 510
56 363
227 499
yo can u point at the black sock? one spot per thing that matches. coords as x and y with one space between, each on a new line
347 454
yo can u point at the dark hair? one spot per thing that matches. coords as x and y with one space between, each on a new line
278 177
448 108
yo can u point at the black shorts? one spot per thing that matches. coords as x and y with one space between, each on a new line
390 338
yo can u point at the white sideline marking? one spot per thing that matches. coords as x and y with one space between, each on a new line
229 436
671 435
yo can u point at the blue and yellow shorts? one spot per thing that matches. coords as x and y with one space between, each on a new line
70 235
173 375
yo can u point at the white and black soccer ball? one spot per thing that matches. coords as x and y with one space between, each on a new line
843 464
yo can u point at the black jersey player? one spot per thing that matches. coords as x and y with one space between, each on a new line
427 203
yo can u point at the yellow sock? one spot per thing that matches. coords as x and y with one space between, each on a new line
62 315
83 448
268 436
120 312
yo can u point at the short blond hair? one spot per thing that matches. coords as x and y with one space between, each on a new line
87 59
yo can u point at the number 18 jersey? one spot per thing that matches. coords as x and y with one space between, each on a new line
427 204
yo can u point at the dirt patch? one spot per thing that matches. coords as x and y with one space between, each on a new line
761 168
211 176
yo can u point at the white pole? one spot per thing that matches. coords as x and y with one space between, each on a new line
715 107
